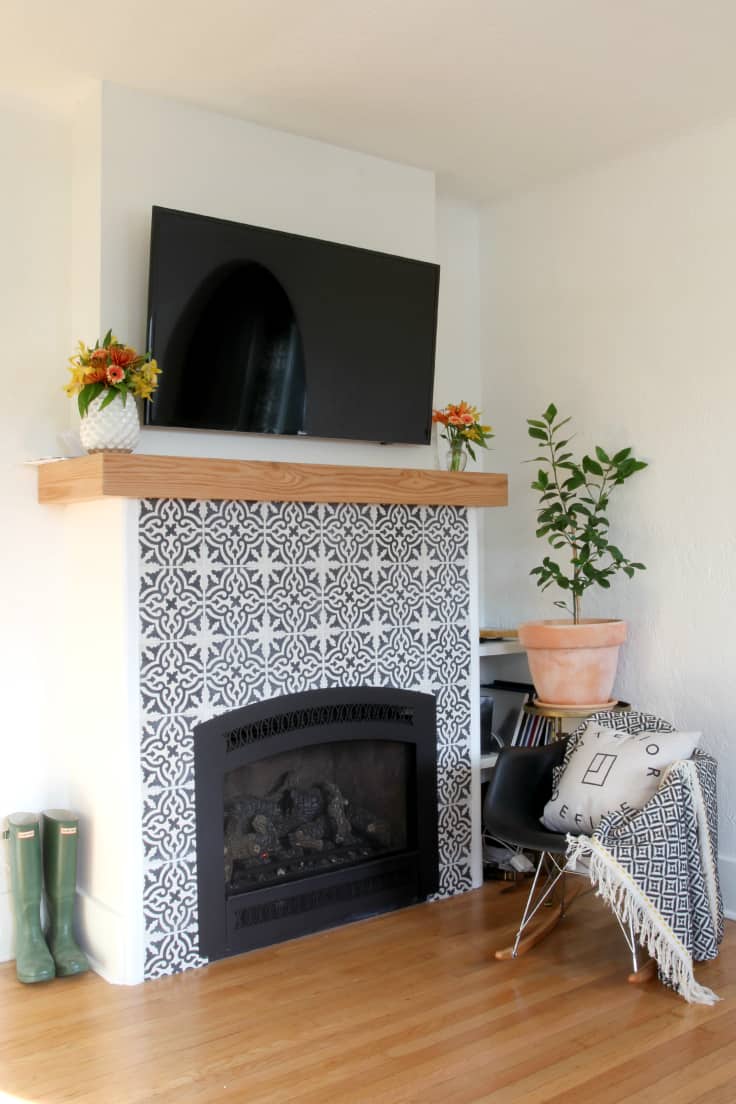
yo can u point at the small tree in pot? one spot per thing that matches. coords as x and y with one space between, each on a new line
574 662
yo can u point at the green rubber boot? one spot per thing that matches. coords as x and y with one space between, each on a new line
60 828
32 959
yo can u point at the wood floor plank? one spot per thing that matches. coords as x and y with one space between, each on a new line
408 1007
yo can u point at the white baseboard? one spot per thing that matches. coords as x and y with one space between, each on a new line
7 941
727 873
106 938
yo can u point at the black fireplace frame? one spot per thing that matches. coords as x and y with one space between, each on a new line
230 925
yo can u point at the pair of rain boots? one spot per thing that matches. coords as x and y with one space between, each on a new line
39 958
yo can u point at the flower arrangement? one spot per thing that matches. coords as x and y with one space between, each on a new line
112 367
463 430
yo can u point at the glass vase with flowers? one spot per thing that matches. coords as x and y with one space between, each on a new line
463 432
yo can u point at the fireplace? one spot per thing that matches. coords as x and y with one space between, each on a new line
312 810
243 602
217 604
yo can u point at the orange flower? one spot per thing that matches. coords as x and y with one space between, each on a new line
115 373
100 354
97 375
463 420
122 355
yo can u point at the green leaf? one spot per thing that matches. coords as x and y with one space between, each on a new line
602 456
538 434
550 413
628 467
536 422
591 467
87 395
107 339
619 456
542 479
111 394
468 445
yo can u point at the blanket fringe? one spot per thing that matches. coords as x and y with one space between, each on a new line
613 884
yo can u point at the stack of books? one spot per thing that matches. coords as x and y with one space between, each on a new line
512 726
533 731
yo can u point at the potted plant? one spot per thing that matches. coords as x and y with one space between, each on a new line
107 379
463 429
573 662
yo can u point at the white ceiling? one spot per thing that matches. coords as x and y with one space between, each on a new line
495 95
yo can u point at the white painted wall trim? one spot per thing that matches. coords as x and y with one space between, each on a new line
727 874
476 853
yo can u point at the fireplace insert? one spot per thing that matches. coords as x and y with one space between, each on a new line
312 810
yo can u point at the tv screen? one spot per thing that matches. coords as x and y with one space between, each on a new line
266 332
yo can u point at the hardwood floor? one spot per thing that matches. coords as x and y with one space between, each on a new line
408 1007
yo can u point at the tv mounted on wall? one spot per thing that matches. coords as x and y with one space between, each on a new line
267 332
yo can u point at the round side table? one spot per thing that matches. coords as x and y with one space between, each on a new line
561 713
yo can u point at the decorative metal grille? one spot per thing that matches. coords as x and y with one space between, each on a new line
318 716
319 898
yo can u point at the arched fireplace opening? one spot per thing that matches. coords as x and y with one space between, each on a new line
312 810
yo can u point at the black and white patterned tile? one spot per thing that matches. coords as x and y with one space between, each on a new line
240 602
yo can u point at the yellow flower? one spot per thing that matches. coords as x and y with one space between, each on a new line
149 371
76 383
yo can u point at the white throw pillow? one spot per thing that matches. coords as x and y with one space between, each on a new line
609 770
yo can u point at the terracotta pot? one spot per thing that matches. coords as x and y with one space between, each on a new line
573 664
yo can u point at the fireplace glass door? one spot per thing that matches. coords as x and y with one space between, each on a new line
316 809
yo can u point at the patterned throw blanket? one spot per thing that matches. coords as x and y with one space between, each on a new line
658 868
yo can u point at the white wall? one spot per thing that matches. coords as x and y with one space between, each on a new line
158 151
74 224
458 325
612 295
99 709
34 237
132 151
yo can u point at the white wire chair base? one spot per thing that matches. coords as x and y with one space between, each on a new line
554 872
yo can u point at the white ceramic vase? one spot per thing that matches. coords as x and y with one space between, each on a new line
114 429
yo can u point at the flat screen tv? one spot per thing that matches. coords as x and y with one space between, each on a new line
266 332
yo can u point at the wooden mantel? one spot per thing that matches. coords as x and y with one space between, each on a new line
121 475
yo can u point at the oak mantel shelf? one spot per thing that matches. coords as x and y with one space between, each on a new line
120 475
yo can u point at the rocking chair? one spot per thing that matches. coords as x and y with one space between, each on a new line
519 789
